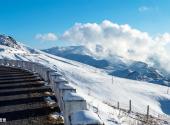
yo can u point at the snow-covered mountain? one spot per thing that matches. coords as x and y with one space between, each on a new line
78 53
116 66
9 41
100 89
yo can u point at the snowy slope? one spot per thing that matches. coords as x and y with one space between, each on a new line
98 88
114 65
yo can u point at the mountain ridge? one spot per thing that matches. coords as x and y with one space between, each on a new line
117 66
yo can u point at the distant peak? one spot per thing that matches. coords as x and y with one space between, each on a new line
8 41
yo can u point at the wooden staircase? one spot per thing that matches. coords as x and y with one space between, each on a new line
23 99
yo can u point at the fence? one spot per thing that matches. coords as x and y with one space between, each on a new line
131 118
150 117
113 115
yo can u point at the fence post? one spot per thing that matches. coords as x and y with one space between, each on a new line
147 113
118 106
130 106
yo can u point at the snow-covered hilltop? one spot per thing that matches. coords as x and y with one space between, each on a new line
101 90
9 41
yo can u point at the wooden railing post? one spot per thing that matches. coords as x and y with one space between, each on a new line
118 105
130 105
147 115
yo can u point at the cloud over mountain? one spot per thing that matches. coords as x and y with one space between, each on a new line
108 38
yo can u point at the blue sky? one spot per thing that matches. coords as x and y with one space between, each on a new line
23 19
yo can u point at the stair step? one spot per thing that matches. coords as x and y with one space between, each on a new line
23 91
20 86
15 74
12 71
18 77
15 105
22 114
23 96
8 105
8 70
20 81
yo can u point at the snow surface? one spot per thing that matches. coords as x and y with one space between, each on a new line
72 96
100 89
84 118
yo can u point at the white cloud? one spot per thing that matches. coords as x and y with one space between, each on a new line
108 38
46 37
163 37
143 8
113 38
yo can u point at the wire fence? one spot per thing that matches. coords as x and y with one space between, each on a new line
113 115
131 116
